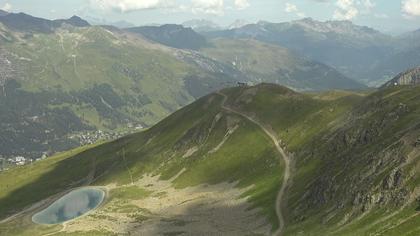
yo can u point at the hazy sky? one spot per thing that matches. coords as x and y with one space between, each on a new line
386 15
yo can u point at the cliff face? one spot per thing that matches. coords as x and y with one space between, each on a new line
410 77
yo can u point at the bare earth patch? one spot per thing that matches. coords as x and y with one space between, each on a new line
205 209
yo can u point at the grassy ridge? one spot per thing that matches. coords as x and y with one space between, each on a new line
161 150
355 161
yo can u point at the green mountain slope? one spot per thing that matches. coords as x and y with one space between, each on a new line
87 78
172 35
355 160
354 169
271 63
197 145
64 83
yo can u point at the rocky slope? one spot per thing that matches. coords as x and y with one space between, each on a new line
356 171
410 77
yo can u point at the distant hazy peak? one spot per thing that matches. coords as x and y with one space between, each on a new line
27 23
172 35
342 27
201 25
238 24
3 13
75 21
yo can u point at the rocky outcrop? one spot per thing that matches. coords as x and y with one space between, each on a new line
410 77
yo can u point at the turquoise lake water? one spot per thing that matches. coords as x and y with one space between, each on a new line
72 205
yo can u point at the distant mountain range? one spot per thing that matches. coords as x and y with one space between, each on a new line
65 78
263 62
3 13
76 78
27 23
359 52
100 21
202 25
172 35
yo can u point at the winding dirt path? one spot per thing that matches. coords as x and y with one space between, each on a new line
285 157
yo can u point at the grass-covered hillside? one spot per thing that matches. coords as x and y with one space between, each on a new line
62 81
75 79
217 162
211 168
355 169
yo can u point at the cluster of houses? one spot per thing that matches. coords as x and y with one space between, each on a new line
91 137
7 162
85 138
19 160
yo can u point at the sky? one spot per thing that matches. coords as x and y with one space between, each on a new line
391 16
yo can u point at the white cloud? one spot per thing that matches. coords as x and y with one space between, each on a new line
6 7
411 7
292 8
130 5
215 7
346 10
368 4
241 4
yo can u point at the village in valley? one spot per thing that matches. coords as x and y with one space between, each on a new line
82 139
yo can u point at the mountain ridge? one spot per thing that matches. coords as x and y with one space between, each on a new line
325 42
28 23
264 62
51 79
172 35
205 145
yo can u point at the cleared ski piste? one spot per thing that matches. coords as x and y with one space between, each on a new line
71 206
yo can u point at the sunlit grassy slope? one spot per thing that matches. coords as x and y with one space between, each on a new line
84 79
355 161
162 150
76 59
356 169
